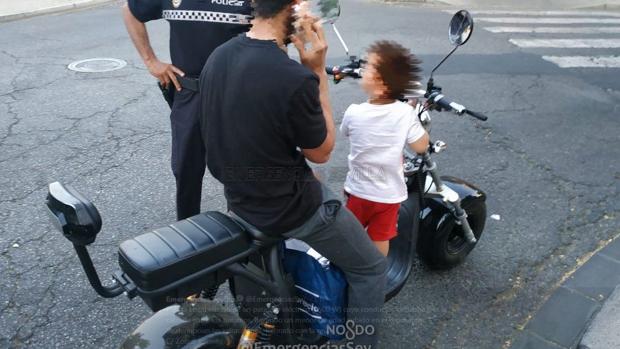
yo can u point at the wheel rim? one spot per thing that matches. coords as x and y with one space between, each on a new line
456 241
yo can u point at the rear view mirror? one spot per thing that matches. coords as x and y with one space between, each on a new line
461 28
74 215
327 10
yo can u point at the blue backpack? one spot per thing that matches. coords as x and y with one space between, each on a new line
320 287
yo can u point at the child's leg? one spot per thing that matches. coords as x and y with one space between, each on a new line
383 246
382 225
379 218
357 206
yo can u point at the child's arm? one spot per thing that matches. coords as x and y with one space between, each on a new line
344 125
417 138
420 145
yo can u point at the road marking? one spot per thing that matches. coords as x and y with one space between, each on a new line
567 43
559 22
584 61
544 13
549 20
555 30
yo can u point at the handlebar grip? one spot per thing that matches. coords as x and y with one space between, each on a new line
476 115
444 103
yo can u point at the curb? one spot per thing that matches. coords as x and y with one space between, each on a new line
603 331
565 316
54 9
604 7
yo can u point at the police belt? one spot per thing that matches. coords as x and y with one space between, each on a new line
170 90
189 83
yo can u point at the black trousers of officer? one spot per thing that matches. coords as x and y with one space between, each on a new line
188 152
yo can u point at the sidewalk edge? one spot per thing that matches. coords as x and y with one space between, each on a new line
549 321
54 9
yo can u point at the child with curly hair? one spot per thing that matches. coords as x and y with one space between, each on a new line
378 131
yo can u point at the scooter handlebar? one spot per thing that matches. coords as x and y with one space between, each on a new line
442 102
478 116
339 72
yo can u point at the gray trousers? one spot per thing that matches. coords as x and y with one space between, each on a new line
335 233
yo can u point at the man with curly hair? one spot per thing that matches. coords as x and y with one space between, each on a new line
266 117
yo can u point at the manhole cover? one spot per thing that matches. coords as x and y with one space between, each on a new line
97 65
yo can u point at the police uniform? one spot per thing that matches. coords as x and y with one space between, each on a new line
197 27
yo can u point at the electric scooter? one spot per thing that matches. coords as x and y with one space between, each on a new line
177 270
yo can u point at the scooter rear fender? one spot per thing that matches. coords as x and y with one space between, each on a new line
197 323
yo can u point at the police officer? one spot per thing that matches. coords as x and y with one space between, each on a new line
197 27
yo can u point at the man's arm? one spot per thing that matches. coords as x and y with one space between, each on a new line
137 31
315 60
322 153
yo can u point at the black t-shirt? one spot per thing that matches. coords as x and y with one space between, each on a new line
197 27
259 108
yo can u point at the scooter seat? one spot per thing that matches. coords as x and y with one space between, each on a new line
158 258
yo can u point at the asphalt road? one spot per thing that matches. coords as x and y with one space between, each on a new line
547 158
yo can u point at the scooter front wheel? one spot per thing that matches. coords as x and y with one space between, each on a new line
446 246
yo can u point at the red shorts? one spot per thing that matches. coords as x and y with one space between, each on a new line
378 218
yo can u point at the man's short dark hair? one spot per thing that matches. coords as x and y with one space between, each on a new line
399 69
269 8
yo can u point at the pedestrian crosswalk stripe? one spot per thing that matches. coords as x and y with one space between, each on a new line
555 30
584 61
544 13
549 20
567 43
560 31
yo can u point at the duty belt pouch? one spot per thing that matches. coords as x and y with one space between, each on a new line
167 92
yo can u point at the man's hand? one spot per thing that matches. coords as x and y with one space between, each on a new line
137 31
164 72
314 57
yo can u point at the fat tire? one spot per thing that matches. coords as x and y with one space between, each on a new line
433 246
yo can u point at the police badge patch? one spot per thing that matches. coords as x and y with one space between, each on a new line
176 3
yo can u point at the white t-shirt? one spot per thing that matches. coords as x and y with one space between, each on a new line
378 134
